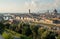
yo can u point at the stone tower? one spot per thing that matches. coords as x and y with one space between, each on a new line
29 11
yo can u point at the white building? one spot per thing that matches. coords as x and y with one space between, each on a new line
7 17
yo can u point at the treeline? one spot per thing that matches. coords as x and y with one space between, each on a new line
33 31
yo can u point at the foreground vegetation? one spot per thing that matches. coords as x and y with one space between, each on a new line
23 30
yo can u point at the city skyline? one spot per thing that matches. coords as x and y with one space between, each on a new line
18 6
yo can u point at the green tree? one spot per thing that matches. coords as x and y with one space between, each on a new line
7 36
7 25
44 35
51 35
24 28
25 37
48 35
34 29
40 32
13 27
58 37
2 28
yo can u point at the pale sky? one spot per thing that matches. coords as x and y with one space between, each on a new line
23 5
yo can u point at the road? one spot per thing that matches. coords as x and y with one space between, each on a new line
1 37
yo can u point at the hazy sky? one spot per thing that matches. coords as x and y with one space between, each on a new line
24 5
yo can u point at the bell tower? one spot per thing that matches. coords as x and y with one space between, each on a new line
29 11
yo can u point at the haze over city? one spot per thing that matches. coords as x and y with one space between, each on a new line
18 6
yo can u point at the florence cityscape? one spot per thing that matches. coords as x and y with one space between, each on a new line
29 19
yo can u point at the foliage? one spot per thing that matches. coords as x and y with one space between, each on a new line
26 31
7 25
48 35
58 37
24 37
40 32
2 27
7 36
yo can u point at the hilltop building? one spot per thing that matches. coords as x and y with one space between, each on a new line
55 11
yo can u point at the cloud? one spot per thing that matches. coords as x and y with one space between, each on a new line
35 5
57 3
31 5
